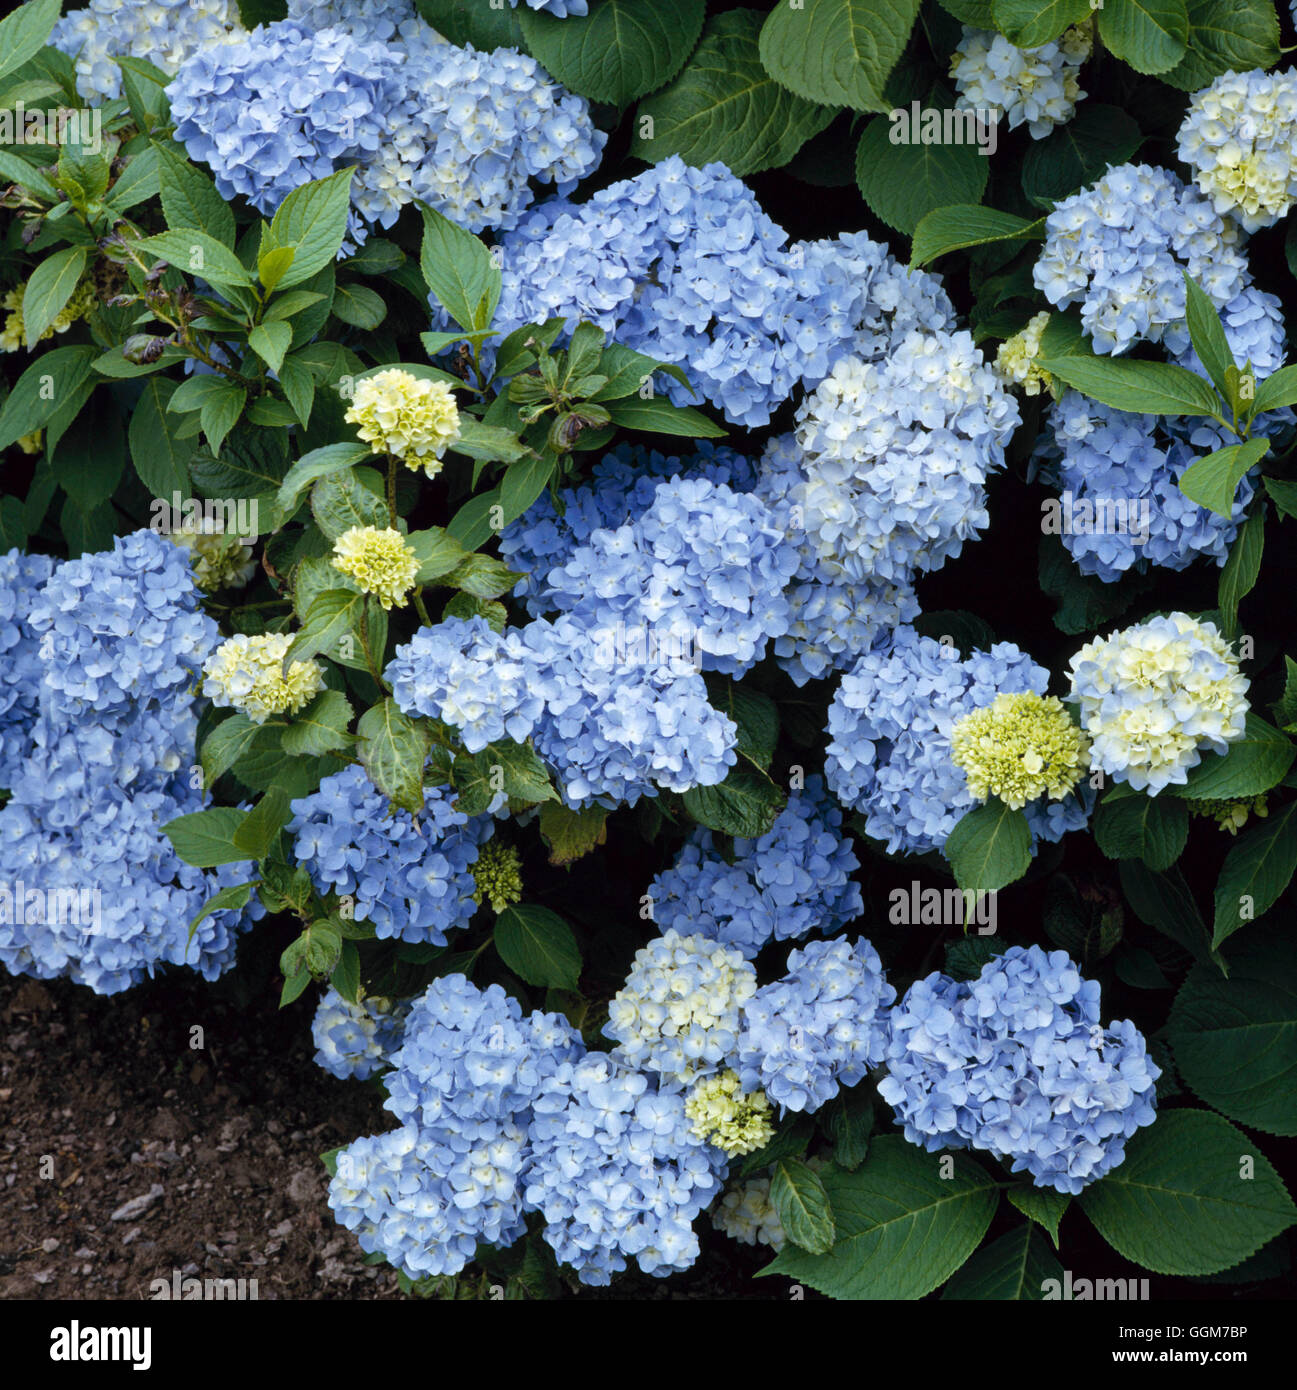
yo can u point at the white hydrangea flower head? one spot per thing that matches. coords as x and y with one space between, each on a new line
1239 136
1038 86
246 673
1015 363
379 561
402 414
1154 696
745 1213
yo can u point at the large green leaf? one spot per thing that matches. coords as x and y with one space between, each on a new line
332 458
1213 481
458 269
746 803
1180 1203
1151 828
1043 1205
1225 36
837 52
393 748
49 289
190 199
1079 152
1241 571
1251 765
963 225
1014 1267
989 847
1148 388
538 946
1030 23
902 1228
621 50
25 32
805 1213
725 106
206 838
50 384
1235 1040
1256 872
1151 35
312 220
904 183
196 253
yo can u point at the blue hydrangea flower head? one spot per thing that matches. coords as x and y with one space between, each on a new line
822 1027
356 1041
793 880
411 877
1018 1064
617 1171
21 576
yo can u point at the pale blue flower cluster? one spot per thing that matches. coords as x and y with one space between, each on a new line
1017 1063
834 617
889 738
356 1041
469 1056
467 1073
1120 248
613 729
701 563
419 117
821 1027
1036 86
683 265
369 20
411 877
560 9
94 889
164 32
896 455
793 880
617 1171
681 1008
20 577
622 486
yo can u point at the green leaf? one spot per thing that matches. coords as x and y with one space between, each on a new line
1043 1205
359 306
251 463
798 1196
319 463
538 946
206 838
512 768
480 25
458 269
312 220
1164 901
1179 1203
196 253
903 183
1225 36
1030 23
219 413
1242 570
848 1121
902 1229
1251 765
270 342
260 829
658 416
25 32
989 847
1285 709
232 898
50 383
333 614
346 974
1235 1040
341 500
837 52
437 551
1256 872
49 289
393 749
570 834
487 443
1150 828
190 199
1277 390
1017 1266
1149 388
725 106
483 576
1282 494
755 716
622 50
225 745
1077 153
272 265
321 727
1151 35
1207 334
144 87
955 228
523 482
294 986
298 386
139 181
1212 481
746 803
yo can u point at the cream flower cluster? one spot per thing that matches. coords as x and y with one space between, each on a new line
746 1214
12 331
1154 696
1015 362
721 1114
379 561
402 414
1036 85
1239 137
246 673
1019 747
219 561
